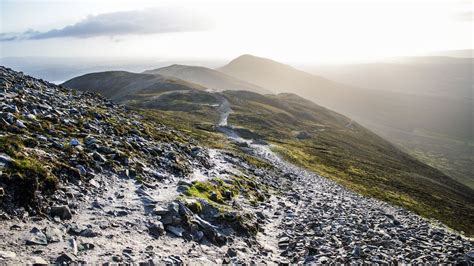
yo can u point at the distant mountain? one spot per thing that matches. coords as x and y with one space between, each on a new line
466 53
123 86
435 76
273 75
207 77
436 128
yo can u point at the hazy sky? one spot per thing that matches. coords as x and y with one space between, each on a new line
305 32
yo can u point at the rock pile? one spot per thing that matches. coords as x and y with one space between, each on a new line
51 136
323 222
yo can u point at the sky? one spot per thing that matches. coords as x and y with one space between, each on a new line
316 31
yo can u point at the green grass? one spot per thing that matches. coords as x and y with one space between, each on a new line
354 157
337 148
26 174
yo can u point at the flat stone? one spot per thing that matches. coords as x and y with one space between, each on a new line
53 234
7 255
36 237
175 230
37 261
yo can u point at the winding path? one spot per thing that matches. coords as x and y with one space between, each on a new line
318 220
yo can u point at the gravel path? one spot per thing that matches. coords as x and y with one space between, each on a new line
324 222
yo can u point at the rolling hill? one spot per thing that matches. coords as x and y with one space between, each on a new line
434 128
122 86
337 147
321 140
207 77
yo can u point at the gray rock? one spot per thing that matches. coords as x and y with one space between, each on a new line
160 211
37 261
356 252
86 246
65 258
88 233
20 123
72 244
231 252
470 255
175 230
36 237
99 157
62 212
89 140
53 234
5 160
197 235
82 170
156 229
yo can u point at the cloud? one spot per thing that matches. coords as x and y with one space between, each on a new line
465 16
137 22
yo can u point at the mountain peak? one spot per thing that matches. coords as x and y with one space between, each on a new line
252 59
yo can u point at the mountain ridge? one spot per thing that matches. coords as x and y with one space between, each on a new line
435 129
120 85
206 77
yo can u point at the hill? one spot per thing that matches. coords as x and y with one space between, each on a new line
337 147
440 86
87 181
435 128
207 77
123 86
326 142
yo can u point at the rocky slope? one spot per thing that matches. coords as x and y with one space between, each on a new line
85 180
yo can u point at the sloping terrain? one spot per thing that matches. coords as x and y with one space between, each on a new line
447 83
86 180
338 147
331 144
108 184
207 77
433 124
125 86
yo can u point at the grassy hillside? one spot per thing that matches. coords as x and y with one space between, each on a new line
336 147
323 141
207 77
438 126
121 86
425 108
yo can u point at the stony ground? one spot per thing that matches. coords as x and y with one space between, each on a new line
158 199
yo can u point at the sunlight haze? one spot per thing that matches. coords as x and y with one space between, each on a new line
309 32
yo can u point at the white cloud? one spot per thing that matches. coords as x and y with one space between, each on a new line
137 22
